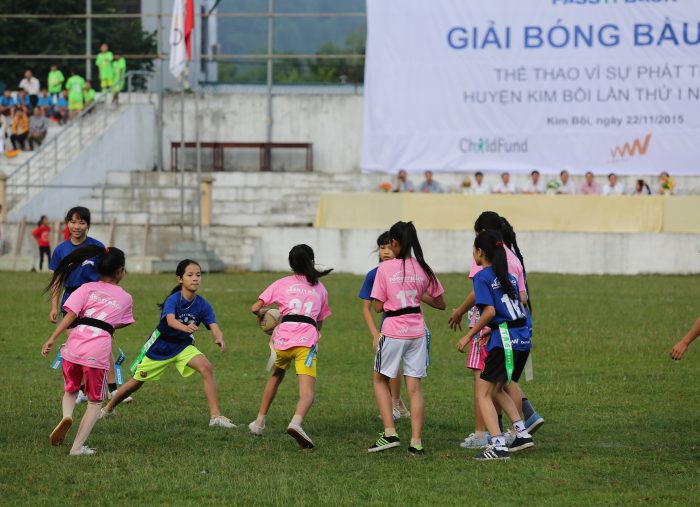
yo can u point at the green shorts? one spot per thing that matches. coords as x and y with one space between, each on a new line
151 369
75 105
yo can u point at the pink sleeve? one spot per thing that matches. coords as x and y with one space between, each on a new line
325 309
128 315
435 289
474 269
379 287
76 301
268 295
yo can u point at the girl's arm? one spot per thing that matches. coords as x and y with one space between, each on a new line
680 347
369 320
179 326
438 302
455 320
378 306
119 326
65 322
218 336
487 315
257 306
53 314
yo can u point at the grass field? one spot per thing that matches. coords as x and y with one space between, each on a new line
622 418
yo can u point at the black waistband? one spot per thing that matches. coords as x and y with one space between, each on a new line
300 318
511 324
402 311
88 321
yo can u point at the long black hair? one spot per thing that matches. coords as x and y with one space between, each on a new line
491 243
302 262
404 233
488 221
82 212
511 241
109 261
179 272
383 239
41 220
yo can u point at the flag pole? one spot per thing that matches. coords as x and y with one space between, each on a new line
197 65
181 160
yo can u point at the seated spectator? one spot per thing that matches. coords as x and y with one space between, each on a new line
505 186
479 187
590 187
8 103
403 184
20 129
666 184
60 110
613 187
534 186
641 188
566 186
37 128
31 86
430 186
23 101
88 94
45 103
55 82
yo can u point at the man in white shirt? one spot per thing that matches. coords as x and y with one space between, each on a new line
505 186
534 186
31 85
565 184
613 187
479 188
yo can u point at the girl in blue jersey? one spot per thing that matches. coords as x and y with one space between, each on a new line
182 313
385 253
508 345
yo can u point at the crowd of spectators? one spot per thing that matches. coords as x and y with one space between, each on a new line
562 185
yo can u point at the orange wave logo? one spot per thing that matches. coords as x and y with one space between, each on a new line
628 150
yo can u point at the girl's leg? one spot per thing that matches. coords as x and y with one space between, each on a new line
395 388
111 377
269 394
479 424
307 387
69 404
382 394
484 394
516 394
415 396
203 366
123 392
506 402
86 424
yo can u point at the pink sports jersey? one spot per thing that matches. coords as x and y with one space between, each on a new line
92 346
515 268
398 289
294 295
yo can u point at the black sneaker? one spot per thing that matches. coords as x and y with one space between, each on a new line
521 443
492 454
383 443
417 450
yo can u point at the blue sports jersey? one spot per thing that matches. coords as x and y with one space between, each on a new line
487 292
61 102
80 275
171 341
366 290
44 101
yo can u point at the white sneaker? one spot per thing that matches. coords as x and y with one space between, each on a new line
510 436
394 412
104 414
298 434
128 399
82 398
221 421
255 429
472 442
83 451
401 408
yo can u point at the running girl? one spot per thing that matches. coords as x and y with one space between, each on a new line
182 313
399 409
399 287
41 235
508 345
303 303
93 312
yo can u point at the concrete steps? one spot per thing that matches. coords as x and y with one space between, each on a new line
195 250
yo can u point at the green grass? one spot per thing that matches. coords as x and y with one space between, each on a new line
621 428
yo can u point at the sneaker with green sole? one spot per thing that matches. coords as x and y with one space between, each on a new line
383 443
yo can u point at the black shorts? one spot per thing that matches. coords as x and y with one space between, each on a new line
495 366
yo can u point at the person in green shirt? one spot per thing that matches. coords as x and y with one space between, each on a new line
104 66
118 73
89 94
55 81
75 86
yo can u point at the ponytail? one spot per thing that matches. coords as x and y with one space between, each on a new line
301 260
179 272
491 243
511 241
405 234
109 261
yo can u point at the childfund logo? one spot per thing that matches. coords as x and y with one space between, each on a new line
492 145
628 150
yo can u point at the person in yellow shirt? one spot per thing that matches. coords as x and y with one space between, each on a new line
20 129
89 94
104 66
55 82
118 73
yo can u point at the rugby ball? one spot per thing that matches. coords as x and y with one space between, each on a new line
270 320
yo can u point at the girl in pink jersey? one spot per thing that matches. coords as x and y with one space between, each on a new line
303 303
399 287
93 312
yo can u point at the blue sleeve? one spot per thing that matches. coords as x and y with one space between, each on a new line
56 257
170 306
482 292
207 314
366 290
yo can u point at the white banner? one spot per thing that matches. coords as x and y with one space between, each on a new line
600 85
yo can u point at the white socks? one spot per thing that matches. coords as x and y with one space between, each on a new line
297 419
520 430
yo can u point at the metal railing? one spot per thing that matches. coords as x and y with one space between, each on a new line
54 154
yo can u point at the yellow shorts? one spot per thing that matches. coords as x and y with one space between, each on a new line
298 355
75 105
151 369
105 84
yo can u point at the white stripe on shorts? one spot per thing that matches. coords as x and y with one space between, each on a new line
474 354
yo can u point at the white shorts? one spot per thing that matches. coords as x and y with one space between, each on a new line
392 351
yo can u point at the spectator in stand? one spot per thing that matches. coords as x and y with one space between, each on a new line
60 110
37 128
430 186
566 186
590 186
88 94
45 103
75 86
666 184
104 66
403 184
31 86
613 187
3 130
118 73
505 186
8 103
55 82
41 235
20 129
641 188
23 101
479 187
534 186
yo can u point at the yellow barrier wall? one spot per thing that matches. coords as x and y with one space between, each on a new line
561 213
